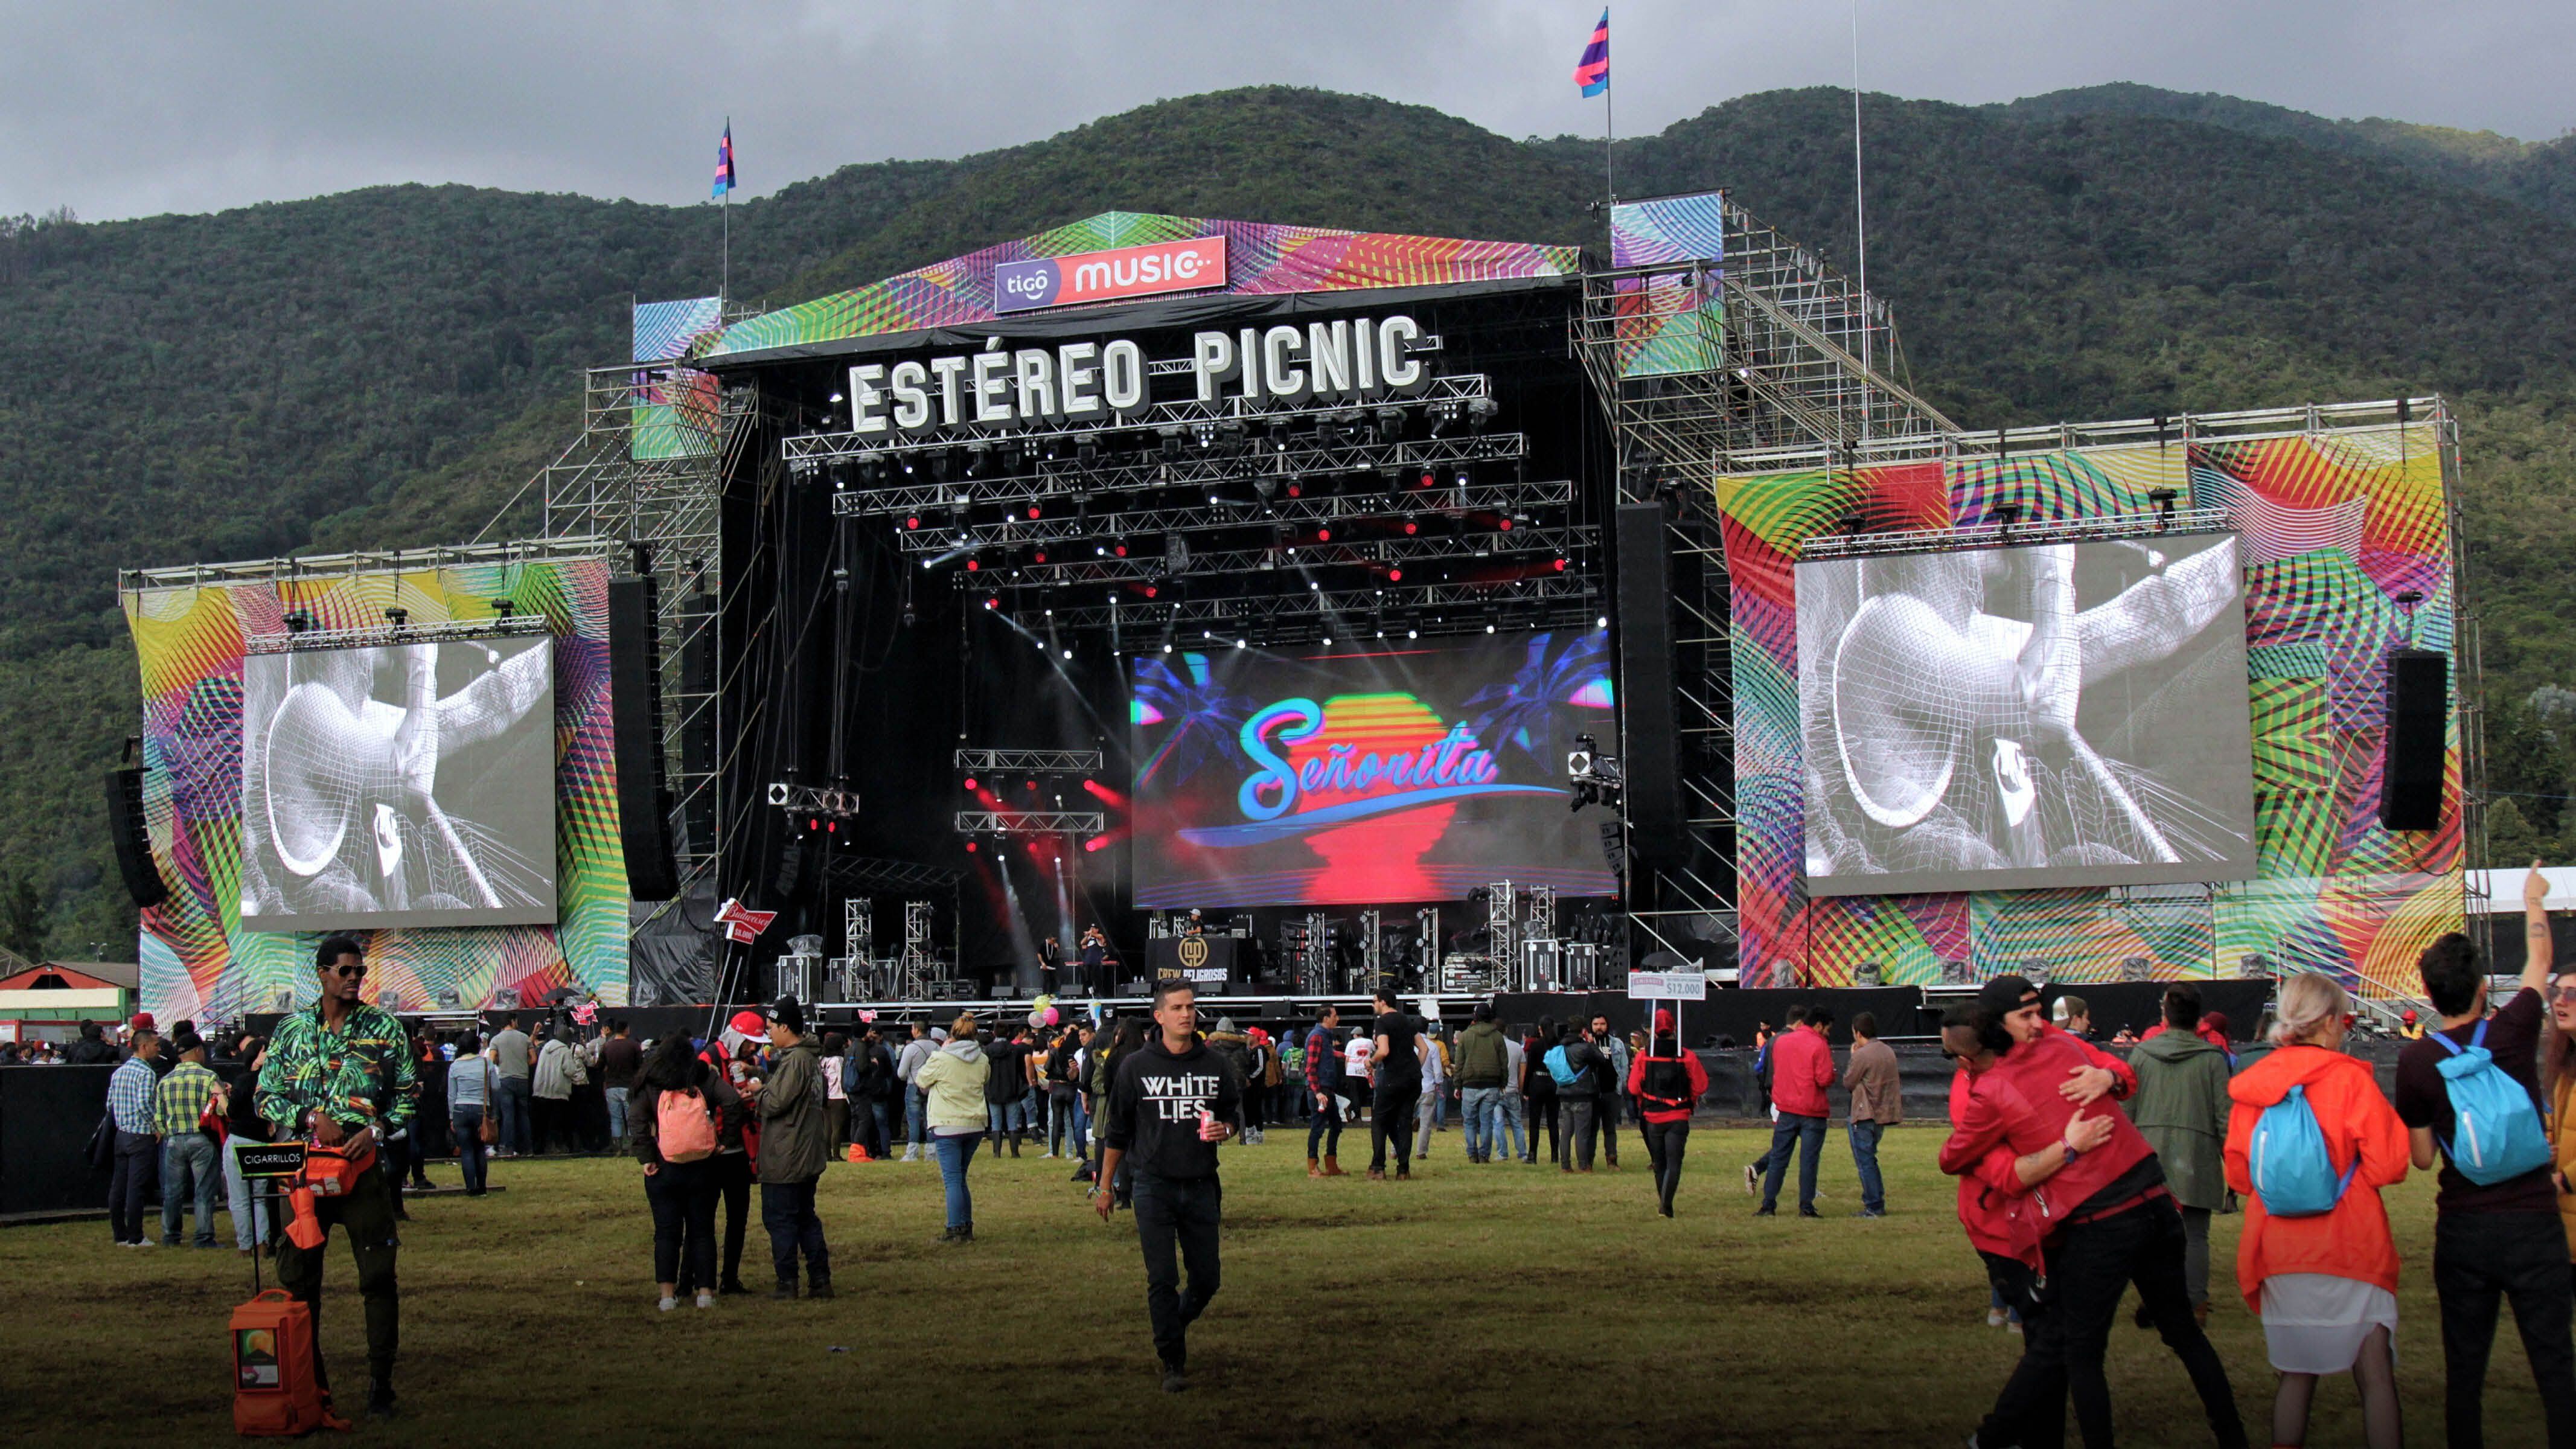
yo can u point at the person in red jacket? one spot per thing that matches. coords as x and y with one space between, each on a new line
1667 1083
1802 1066
2005 1207
2324 1285
2117 1223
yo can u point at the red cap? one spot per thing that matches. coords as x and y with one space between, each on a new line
142 1021
1663 1021
2408 1016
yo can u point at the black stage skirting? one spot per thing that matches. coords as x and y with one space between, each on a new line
1726 1015
46 1114
2139 1005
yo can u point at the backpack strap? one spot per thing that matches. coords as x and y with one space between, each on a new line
2454 1048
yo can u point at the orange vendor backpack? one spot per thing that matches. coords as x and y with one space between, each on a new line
273 1388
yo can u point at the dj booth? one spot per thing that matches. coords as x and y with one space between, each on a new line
1213 963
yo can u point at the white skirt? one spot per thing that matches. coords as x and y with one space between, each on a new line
2314 1323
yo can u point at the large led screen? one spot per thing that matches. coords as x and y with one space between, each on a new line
1349 776
2060 715
405 785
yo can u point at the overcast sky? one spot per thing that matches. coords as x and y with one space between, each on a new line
120 110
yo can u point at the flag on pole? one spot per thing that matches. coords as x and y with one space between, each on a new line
724 153
743 924
1593 71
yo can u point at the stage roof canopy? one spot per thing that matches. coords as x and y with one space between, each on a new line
1263 260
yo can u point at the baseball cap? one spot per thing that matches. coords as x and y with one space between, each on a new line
2005 993
789 1013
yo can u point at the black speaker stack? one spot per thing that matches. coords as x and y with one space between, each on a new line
1658 825
635 704
133 838
2415 747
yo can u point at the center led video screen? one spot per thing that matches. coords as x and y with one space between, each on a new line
2005 718
1394 773
400 785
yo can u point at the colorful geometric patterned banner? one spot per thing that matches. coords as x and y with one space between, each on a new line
674 412
1669 322
1668 229
198 961
1261 260
2333 526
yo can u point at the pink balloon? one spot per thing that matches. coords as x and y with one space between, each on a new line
1050 1016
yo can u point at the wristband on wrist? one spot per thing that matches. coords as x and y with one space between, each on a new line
2072 1151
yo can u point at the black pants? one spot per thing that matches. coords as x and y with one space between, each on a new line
2478 1260
733 1184
1582 1120
1665 1143
1543 1110
1253 1096
787 1210
126 1187
1324 1125
2031 1409
1177 1213
2092 1265
683 1198
1391 1117
553 1123
365 1215
1605 1112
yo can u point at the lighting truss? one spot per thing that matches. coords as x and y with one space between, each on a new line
1552 601
815 799
1375 554
1060 487
1030 762
869 876
1997 535
806 450
291 641
1031 822
1441 499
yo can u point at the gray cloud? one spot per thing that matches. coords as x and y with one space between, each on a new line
126 109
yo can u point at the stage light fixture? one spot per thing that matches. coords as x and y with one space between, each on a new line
1167 648
1480 411
1602 622
2004 515
1390 423
1412 633
2163 498
1068 654
1395 576
974 565
1238 643
1323 535
501 608
396 616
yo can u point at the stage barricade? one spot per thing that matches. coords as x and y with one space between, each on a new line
46 1115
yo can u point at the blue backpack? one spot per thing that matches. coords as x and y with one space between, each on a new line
2293 1173
1561 1069
2498 1133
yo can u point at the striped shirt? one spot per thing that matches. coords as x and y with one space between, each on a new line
129 1096
181 1096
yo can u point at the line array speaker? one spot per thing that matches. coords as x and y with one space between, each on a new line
2413 751
1650 743
635 703
133 838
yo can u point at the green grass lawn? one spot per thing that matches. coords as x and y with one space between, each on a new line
1489 1304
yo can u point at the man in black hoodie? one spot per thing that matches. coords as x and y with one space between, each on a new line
1173 1101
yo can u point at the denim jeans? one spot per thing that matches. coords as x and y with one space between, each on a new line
1581 1122
1011 1117
1064 1123
189 1160
787 1210
465 1124
1804 1135
249 1209
511 1106
1864 1146
2479 1261
1508 1108
1177 1214
956 1153
916 1116
617 1114
882 1112
1482 1107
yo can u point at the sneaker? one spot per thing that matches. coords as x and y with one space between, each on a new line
2014 1327
380 1402
143 1243
1995 1318
1174 1381
1871 1213
706 1300
821 1290
1809 1212
1766 1211
732 1286
784 1292
667 1304
1044 1156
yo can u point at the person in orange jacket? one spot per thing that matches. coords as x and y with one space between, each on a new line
2324 1285
2558 1076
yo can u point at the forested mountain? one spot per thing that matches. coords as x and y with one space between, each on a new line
385 367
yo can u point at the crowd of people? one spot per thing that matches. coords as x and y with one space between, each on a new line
2068 1200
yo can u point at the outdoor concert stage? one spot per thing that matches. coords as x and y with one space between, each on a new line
1479 618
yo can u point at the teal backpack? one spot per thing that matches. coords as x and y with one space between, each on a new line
2498 1133
2293 1174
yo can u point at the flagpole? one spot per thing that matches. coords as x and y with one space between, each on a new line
1609 133
724 280
1860 197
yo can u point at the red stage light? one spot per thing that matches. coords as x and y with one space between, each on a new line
970 847
1095 842
992 603
1395 576
1323 535
1411 528
970 784
1032 784
1295 491
1033 512
1041 555
832 827
813 824
1122 550
1426 481
1560 565
973 566
1505 525
1151 591
912 523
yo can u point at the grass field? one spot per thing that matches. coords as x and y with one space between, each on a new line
1488 1305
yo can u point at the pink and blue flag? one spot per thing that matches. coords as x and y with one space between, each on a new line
1593 71
724 159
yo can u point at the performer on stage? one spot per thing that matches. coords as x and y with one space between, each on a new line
1050 964
1095 955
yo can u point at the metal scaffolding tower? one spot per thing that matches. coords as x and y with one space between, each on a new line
1761 349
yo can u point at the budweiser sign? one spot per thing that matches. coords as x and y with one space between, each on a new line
1146 271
